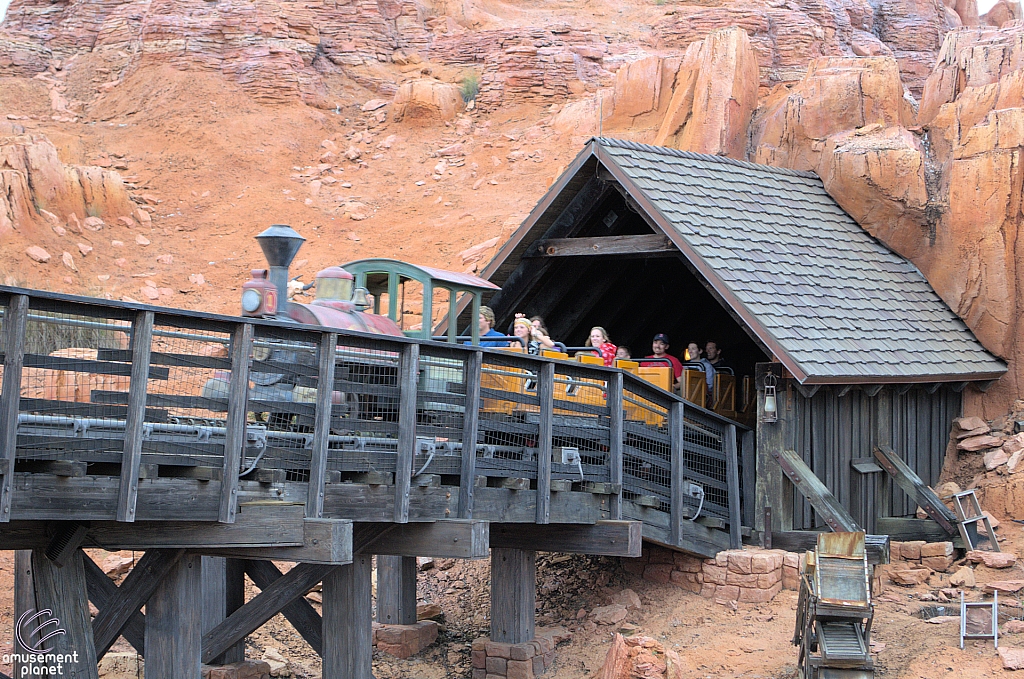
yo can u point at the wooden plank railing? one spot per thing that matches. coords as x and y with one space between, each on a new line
401 413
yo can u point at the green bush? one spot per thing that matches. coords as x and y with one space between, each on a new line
470 86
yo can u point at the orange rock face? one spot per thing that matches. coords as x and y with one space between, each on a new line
716 95
34 180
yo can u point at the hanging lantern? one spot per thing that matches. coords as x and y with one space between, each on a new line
771 406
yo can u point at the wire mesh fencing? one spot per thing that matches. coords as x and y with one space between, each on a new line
581 425
509 423
65 364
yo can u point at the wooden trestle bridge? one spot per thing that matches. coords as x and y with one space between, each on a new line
126 426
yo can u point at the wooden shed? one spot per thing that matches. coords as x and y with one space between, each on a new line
643 240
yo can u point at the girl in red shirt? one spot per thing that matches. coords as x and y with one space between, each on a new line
600 341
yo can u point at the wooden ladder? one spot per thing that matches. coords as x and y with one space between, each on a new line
976 516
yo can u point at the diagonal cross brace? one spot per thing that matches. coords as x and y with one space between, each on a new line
913 486
265 605
101 590
133 593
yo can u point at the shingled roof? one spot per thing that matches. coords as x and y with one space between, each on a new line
830 301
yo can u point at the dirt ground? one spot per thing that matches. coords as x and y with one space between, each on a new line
713 639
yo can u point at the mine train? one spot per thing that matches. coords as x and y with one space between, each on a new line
378 296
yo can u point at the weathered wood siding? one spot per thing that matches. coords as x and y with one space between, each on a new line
830 431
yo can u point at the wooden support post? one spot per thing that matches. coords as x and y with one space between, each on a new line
513 595
321 426
396 590
677 492
615 435
300 614
883 437
141 346
235 434
732 471
62 591
153 568
773 489
214 594
24 600
546 397
102 591
474 364
408 374
234 598
15 319
174 622
748 456
348 621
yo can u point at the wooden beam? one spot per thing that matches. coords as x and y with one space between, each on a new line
907 529
634 246
748 455
732 472
608 538
15 320
676 426
235 434
396 590
877 546
772 488
692 537
513 595
811 487
474 365
546 398
24 601
140 584
303 617
321 425
62 593
174 622
348 621
408 376
325 541
917 489
525 276
140 347
451 539
234 595
250 617
615 438
214 577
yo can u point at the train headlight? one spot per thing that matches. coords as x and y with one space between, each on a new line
251 301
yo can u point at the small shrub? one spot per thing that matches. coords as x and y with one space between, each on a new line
470 86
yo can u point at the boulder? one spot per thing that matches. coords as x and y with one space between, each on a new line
995 459
909 576
1013 658
976 443
1005 586
427 100
37 254
963 577
992 559
609 615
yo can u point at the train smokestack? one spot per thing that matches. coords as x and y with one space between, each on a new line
279 244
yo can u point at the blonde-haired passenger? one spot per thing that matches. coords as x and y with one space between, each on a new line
603 344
